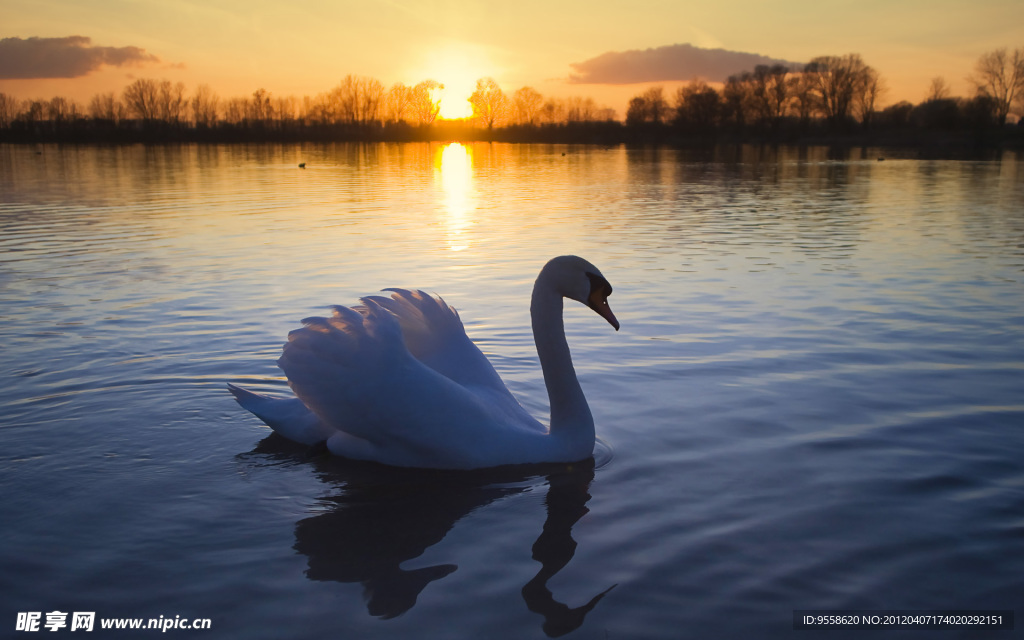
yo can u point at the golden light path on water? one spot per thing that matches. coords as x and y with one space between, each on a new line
453 168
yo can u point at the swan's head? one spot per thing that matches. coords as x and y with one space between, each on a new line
575 278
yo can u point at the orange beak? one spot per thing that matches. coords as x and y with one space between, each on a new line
598 301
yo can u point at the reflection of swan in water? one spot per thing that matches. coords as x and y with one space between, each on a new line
566 503
384 517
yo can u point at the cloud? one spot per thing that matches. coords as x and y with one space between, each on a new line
663 64
69 57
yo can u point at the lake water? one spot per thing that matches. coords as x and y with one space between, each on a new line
816 400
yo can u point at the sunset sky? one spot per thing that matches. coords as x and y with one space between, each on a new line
306 47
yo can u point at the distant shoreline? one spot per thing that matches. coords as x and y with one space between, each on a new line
969 142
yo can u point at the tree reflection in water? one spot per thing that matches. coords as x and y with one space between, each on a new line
383 517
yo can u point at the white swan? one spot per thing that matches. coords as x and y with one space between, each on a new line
397 380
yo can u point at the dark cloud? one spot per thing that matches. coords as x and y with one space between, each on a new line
673 62
69 57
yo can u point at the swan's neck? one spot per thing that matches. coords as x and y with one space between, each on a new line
570 416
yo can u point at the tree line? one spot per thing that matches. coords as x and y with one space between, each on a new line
834 94
357 107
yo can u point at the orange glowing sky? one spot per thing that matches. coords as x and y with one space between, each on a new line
305 48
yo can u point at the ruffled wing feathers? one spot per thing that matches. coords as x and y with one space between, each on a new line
355 373
434 334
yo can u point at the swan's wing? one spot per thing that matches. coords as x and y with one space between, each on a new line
354 372
287 416
434 335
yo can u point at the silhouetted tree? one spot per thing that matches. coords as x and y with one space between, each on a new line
343 100
397 103
141 98
698 106
981 112
171 102
896 116
34 111
204 105
60 110
259 109
527 102
371 96
999 75
938 89
306 110
318 109
736 98
106 106
650 107
426 106
580 109
356 100
236 110
942 114
769 92
488 101
868 94
284 109
802 98
636 112
8 110
552 111
838 81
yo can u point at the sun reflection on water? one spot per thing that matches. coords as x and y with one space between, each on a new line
453 166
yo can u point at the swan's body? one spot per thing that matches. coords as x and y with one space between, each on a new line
397 380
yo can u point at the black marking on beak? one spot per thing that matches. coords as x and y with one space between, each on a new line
600 289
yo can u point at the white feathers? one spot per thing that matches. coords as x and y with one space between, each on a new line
397 380
288 416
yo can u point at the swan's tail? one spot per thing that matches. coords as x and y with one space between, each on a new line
287 416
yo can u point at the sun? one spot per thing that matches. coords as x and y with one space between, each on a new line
455 99
457 66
